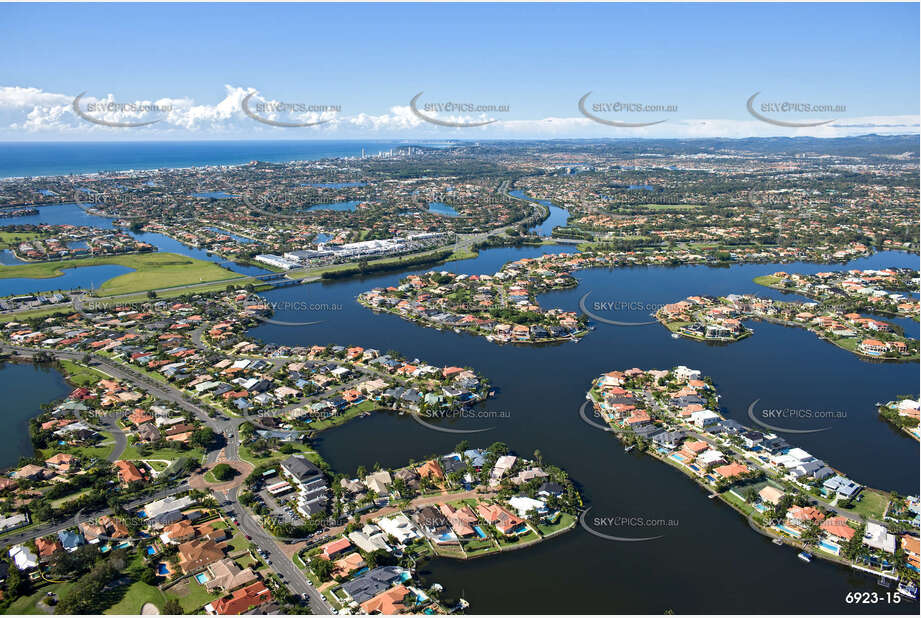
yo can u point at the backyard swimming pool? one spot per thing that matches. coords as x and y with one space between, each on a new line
479 532
201 578
162 569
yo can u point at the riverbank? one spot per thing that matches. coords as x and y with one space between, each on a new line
151 271
782 490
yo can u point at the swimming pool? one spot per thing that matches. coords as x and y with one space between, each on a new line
151 550
789 531
829 547
479 532
201 578
162 569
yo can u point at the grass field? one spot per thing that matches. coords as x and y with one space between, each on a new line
151 271
27 604
8 239
134 597
364 406
872 504
248 455
78 375
99 451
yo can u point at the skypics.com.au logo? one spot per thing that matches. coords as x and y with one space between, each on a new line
423 111
623 107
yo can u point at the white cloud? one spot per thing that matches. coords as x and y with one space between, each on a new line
29 113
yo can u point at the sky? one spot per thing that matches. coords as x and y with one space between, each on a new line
187 69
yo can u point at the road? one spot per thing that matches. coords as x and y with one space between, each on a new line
229 429
291 575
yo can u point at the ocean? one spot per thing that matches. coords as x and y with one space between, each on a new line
58 158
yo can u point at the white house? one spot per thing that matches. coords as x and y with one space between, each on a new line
704 418
23 557
524 505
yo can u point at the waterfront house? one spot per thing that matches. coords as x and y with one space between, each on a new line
241 600
370 584
389 602
504 521
877 537
837 529
770 495
844 487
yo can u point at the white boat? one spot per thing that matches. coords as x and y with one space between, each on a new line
676 336
776 541
629 448
804 556
909 589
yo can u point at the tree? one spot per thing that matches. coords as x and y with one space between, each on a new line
173 607
202 437
223 472
323 569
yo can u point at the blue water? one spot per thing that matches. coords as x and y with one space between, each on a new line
558 216
439 208
479 532
85 277
349 205
162 570
8 259
201 578
56 158
94 276
216 195
236 237
643 187
151 550
26 388
828 546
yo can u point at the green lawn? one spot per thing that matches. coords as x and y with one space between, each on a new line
767 280
872 504
565 521
364 406
27 604
134 597
8 239
80 375
191 595
151 271
248 455
99 451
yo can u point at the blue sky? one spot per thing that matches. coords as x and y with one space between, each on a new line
538 59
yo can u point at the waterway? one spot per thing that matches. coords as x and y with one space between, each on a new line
25 388
92 276
539 392
558 216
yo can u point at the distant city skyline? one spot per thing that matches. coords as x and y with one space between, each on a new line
241 71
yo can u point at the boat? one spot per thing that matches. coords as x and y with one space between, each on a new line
909 589
776 541
804 556
629 448
676 336
884 582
